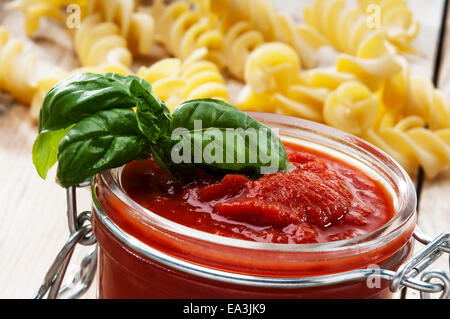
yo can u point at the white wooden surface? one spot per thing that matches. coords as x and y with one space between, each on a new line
32 211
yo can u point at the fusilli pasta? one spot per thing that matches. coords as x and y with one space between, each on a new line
272 25
344 27
352 107
34 10
97 42
412 145
240 40
17 70
407 94
272 67
374 62
275 83
136 27
395 19
174 80
183 30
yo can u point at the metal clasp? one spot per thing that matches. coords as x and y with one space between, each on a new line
80 233
406 274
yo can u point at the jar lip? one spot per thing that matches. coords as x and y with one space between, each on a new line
405 211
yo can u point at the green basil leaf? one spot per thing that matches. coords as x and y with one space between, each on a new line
81 95
107 139
154 122
45 150
217 135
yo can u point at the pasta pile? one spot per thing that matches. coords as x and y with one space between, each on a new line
136 27
347 28
175 81
396 20
183 30
35 10
368 91
98 42
411 145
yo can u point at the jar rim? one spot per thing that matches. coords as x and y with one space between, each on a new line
403 213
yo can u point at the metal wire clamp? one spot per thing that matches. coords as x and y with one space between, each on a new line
80 233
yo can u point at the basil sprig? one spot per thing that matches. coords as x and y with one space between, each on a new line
92 122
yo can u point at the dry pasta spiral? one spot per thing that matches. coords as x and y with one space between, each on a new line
34 10
271 67
344 27
239 42
183 30
272 25
352 107
174 80
412 145
407 94
17 69
275 83
97 42
307 96
271 71
136 27
395 19
374 62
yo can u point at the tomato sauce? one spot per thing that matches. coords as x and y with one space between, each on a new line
320 199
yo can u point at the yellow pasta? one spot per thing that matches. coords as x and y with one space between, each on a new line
412 145
271 73
34 10
183 30
272 25
302 101
374 62
395 19
117 11
271 67
352 107
275 83
344 27
136 27
174 80
17 70
370 91
98 42
408 94
347 27
239 42
296 100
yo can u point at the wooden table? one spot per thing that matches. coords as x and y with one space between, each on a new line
33 224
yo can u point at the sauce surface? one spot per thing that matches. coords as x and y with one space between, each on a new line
321 199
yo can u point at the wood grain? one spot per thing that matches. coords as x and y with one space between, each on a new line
33 225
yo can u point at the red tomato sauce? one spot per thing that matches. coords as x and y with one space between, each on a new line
320 199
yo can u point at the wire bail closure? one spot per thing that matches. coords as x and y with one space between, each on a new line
80 233
430 282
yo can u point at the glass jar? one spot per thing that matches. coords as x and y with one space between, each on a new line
142 255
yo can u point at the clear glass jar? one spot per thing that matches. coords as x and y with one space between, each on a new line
142 255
